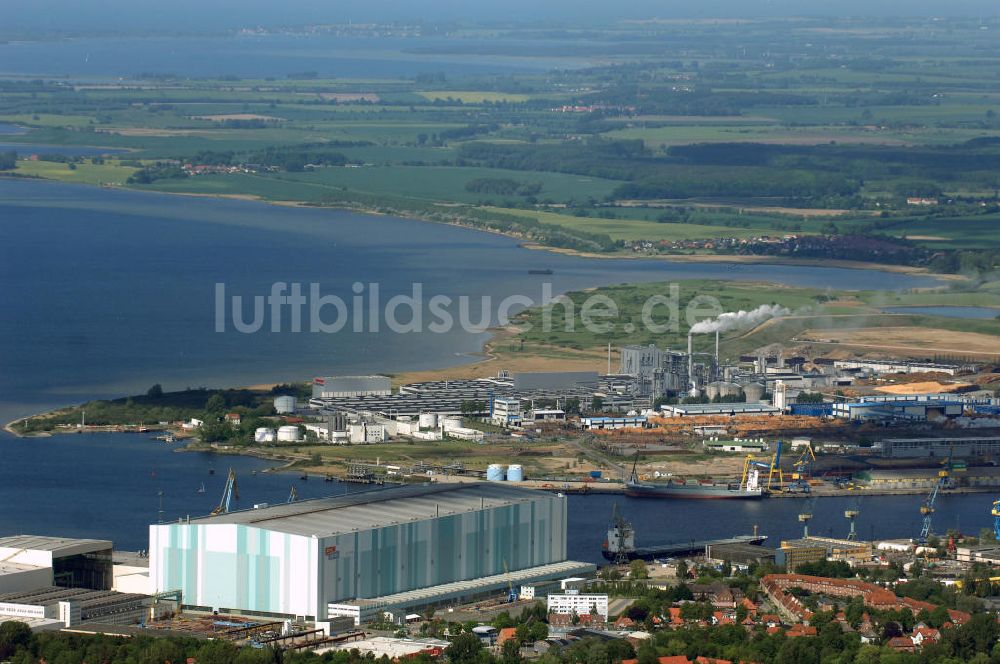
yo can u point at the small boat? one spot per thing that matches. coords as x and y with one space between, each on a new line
545 271
328 478
211 471
305 477
201 489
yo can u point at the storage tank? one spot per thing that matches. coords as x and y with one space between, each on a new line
494 472
453 422
712 391
428 421
263 435
284 405
754 392
729 389
515 473
288 434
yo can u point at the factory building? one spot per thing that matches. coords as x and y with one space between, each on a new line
606 423
339 387
682 410
811 549
506 412
77 606
899 409
887 366
554 380
398 547
980 446
31 561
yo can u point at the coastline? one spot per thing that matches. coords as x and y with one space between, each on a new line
735 259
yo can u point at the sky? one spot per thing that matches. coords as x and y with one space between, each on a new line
198 15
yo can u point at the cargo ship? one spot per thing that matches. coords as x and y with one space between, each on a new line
695 489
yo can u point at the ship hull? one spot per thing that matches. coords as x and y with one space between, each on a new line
690 491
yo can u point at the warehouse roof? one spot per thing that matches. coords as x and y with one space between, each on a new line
377 508
57 545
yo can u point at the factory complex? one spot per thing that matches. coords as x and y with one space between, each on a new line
401 548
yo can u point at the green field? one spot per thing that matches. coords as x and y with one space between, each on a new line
109 173
844 121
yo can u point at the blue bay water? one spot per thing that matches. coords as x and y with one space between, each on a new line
106 292
108 485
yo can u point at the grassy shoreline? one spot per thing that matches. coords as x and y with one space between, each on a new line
457 221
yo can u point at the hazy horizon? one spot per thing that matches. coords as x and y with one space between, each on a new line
188 15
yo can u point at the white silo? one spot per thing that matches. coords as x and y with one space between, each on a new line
284 405
754 392
495 472
515 473
289 434
428 420
263 435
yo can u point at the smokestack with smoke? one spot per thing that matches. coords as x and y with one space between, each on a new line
735 320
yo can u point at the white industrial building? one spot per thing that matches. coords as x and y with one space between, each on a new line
339 387
395 548
578 603
506 412
32 561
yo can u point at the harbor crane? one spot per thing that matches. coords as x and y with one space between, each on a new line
802 467
512 593
996 518
773 469
927 508
806 515
851 514
230 492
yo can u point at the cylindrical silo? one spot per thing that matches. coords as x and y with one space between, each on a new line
428 421
284 405
495 472
288 434
515 473
754 392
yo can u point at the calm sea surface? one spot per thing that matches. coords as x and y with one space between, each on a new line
106 292
109 485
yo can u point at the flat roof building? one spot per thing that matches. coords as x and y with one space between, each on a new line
334 387
297 559
72 563
681 410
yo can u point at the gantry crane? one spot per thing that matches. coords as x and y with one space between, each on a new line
927 508
773 468
230 491
996 518
802 467
851 514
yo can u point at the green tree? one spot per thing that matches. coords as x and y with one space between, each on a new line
155 392
13 635
464 649
510 652
216 403
637 570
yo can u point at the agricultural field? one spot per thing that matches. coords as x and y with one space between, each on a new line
655 140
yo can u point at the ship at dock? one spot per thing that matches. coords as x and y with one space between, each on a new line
619 544
749 488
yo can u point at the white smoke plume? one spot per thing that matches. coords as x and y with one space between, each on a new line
734 320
